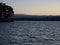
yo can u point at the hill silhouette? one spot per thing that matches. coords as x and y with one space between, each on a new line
35 18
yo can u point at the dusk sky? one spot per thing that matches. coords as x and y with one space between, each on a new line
35 7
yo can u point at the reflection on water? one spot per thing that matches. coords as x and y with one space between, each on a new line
30 33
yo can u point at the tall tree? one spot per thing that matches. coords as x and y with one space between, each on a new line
5 11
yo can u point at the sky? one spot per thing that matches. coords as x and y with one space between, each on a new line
35 7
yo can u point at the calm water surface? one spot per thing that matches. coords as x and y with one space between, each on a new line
30 33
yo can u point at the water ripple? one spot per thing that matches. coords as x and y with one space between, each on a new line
30 33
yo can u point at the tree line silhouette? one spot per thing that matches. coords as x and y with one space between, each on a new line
5 11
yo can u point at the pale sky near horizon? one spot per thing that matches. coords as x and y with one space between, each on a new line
35 7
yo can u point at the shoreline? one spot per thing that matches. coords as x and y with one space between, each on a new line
31 18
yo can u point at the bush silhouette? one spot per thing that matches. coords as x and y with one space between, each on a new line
5 11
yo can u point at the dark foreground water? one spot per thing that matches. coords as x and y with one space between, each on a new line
30 33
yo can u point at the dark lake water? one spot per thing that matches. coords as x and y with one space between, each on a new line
30 33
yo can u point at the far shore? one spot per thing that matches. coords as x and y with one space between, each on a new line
35 18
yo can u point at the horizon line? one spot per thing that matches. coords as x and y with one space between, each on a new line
39 14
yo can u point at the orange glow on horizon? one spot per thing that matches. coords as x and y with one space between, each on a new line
37 12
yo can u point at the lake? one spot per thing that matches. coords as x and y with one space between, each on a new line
30 33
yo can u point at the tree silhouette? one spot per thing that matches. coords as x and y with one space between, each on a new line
5 11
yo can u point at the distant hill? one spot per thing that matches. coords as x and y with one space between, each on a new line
32 17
